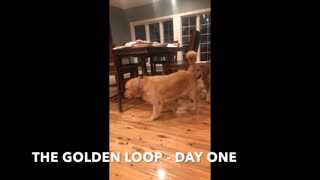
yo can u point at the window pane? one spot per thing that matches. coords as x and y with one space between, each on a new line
192 28
205 19
186 40
168 31
204 57
193 21
185 31
140 32
203 29
202 19
154 31
166 39
185 21
203 38
188 26
203 48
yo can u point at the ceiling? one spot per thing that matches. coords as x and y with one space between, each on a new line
125 4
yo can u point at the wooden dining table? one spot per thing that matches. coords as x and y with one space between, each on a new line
146 52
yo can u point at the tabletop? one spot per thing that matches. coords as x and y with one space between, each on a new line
150 50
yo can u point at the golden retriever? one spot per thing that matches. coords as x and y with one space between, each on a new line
162 89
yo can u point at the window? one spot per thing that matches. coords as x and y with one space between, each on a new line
160 31
168 31
189 24
177 27
205 37
154 31
199 22
140 32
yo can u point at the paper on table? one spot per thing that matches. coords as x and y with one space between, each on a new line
130 44
171 45
119 47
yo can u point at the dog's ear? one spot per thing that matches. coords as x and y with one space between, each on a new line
204 70
197 71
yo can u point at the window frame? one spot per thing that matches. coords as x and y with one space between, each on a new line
146 23
177 27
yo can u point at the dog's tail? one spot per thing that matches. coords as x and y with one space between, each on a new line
191 57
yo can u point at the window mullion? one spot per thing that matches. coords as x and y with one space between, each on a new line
161 32
133 34
198 29
147 32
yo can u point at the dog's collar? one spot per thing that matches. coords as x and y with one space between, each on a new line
140 86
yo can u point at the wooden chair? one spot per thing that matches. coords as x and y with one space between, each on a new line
112 70
119 71
194 45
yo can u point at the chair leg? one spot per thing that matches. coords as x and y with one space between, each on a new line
154 68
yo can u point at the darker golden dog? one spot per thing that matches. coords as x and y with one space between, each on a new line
206 78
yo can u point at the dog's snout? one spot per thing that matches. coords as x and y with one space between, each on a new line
129 95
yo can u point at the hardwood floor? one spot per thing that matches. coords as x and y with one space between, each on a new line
180 132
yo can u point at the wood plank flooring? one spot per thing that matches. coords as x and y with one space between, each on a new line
182 131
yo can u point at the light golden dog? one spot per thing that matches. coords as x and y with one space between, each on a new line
162 89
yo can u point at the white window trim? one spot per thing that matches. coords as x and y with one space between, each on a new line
161 31
147 32
177 31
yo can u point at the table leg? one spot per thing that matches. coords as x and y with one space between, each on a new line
118 77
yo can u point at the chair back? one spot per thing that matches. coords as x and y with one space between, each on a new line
194 41
193 46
